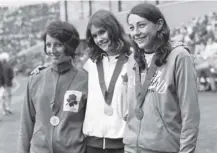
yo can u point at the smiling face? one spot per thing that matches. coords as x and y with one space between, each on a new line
101 38
55 50
142 31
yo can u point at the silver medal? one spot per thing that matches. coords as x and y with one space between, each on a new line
54 120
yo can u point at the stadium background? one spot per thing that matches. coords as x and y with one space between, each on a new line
21 27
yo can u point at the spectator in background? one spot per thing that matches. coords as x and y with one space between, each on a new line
2 83
210 49
214 29
8 77
204 65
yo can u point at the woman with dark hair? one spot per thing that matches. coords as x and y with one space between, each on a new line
106 109
162 88
54 106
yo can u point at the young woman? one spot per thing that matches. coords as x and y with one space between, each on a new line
106 110
54 106
162 88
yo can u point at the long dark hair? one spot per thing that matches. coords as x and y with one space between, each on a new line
65 33
107 20
163 48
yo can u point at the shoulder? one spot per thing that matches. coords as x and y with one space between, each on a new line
130 65
89 61
82 73
180 58
87 64
131 60
36 79
179 50
81 77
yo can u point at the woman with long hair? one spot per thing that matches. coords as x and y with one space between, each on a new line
162 88
106 109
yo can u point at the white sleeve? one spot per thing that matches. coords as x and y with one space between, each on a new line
86 65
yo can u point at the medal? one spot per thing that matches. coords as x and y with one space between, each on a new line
108 94
139 113
141 90
108 110
54 120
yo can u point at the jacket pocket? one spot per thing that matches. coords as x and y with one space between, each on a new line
159 113
154 133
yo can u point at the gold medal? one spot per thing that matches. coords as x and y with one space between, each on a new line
54 120
108 110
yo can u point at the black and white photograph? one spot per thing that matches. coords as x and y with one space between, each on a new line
108 76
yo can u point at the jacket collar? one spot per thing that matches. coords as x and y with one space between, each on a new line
62 67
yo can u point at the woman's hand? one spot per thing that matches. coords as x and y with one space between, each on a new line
37 70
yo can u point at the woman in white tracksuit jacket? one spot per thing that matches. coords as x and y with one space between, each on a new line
104 123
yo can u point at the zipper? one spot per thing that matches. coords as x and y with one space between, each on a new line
103 147
53 128
103 141
137 139
52 139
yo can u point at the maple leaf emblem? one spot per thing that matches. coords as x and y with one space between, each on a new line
72 100
125 78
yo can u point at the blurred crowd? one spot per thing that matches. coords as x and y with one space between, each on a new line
200 35
21 27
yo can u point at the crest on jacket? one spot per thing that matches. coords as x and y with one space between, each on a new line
157 83
72 100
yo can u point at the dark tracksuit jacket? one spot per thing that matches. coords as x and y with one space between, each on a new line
52 89
171 111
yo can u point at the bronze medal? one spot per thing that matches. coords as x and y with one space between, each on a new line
108 110
54 120
139 113
141 90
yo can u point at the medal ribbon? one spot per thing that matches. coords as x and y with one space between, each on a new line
57 105
141 91
109 94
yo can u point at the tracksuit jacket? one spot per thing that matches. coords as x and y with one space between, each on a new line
103 131
62 88
171 111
